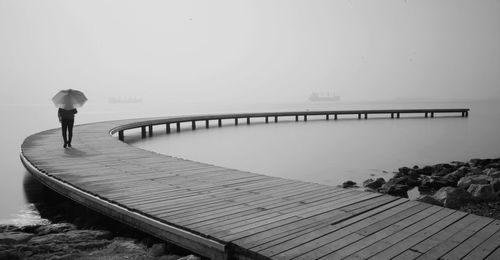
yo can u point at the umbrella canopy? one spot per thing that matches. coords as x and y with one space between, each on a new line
69 99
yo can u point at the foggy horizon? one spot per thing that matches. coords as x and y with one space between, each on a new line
249 51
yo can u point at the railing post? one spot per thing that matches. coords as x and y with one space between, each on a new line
120 136
178 126
392 115
248 120
207 124
426 115
466 113
143 131
236 121
366 115
168 128
296 118
432 114
305 118
219 122
359 116
327 117
398 115
150 130
267 119
335 117
276 119
193 125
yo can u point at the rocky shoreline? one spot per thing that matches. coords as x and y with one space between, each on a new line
67 241
472 186
71 231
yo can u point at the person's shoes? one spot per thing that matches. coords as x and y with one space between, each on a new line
65 144
69 144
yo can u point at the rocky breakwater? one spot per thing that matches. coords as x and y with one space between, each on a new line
472 186
66 241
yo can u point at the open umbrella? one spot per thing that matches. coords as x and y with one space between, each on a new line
69 99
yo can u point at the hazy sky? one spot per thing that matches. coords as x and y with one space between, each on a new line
249 50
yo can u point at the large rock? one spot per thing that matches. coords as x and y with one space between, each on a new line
475 171
480 162
348 184
404 170
453 198
72 236
11 238
493 173
436 182
374 184
427 170
54 228
395 189
429 199
158 249
482 192
466 181
495 184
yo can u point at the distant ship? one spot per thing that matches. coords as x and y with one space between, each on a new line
329 97
119 100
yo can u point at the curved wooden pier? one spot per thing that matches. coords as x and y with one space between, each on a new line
222 213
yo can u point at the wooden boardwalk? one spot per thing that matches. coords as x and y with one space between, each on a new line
222 213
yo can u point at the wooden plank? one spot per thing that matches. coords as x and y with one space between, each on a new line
444 234
456 239
368 236
406 243
485 248
261 226
474 241
269 238
307 242
397 237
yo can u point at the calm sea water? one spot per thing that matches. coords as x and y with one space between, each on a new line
328 152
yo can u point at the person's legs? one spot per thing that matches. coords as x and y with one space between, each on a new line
64 128
70 131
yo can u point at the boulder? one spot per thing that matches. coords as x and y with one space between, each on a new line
475 171
54 228
466 181
495 184
453 198
429 199
12 238
395 189
436 182
480 162
493 173
427 170
456 175
494 165
72 236
441 172
482 192
158 249
348 184
404 170
374 184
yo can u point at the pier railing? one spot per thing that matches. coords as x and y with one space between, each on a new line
147 126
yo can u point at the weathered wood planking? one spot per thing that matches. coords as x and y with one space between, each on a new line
225 213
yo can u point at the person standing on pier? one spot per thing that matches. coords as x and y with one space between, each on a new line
67 101
67 120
